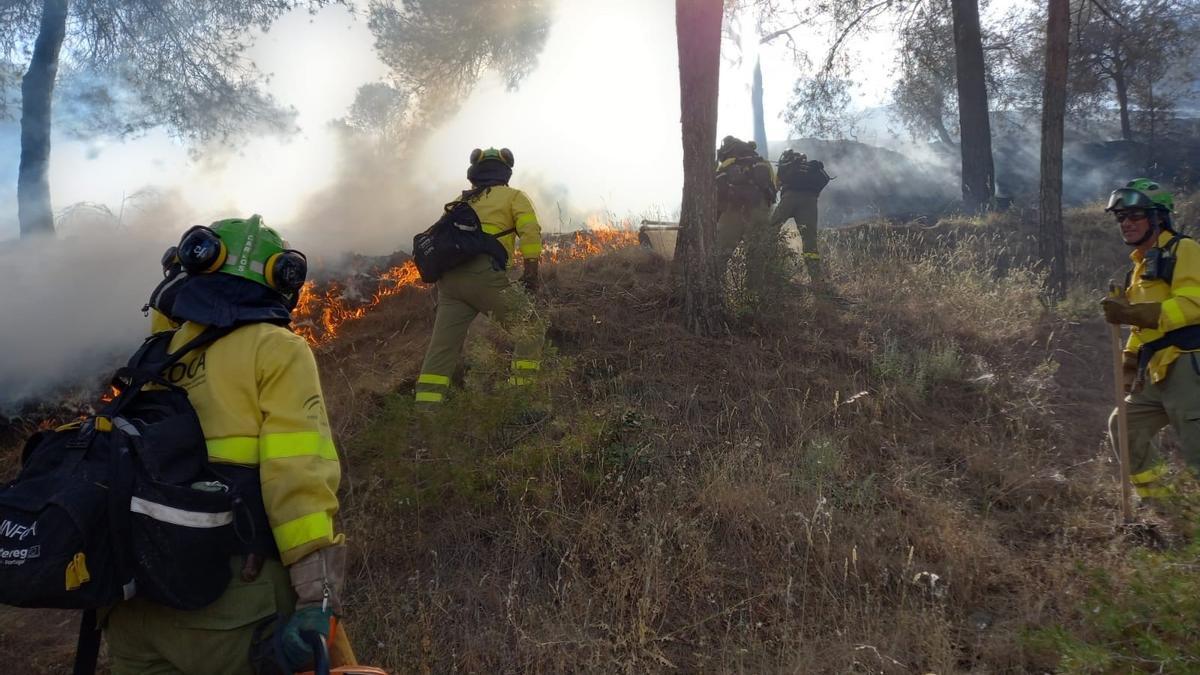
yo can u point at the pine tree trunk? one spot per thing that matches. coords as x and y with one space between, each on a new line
698 33
1123 104
37 91
978 171
1052 238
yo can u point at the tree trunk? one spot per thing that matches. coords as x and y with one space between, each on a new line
37 91
978 171
1051 238
756 101
1122 88
1152 109
698 35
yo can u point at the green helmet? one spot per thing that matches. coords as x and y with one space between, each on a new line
244 248
1141 193
503 155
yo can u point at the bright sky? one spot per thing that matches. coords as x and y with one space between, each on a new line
594 128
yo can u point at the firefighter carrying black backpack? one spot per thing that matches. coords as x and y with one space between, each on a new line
454 239
744 181
121 503
797 172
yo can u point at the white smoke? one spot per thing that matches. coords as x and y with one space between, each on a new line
71 306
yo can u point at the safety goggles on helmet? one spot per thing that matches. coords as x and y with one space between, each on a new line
1127 198
243 248
502 155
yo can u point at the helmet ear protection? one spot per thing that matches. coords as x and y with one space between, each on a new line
201 251
286 271
170 261
503 154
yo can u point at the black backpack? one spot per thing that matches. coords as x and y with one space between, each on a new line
744 182
803 175
454 239
121 503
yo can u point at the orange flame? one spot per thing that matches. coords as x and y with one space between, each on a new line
320 314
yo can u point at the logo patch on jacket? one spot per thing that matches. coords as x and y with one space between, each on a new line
188 375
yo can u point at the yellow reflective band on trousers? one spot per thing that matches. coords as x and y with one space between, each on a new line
430 378
314 526
430 397
1149 475
233 450
296 444
526 364
1187 291
520 381
812 256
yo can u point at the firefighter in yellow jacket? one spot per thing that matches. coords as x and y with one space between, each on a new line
476 287
258 397
746 189
1161 303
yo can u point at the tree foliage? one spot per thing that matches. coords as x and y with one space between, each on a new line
438 49
129 65
146 63
1136 55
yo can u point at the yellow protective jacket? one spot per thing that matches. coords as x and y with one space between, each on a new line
1180 301
258 397
501 208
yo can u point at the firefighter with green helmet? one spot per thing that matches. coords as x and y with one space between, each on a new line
258 397
1161 304
476 287
745 192
800 184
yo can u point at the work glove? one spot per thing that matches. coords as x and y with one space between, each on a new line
317 579
1119 310
529 277
298 654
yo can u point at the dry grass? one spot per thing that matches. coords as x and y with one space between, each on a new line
884 484
900 480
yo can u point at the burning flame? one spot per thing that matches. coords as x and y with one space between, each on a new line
320 314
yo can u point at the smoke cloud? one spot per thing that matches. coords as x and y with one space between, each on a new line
72 306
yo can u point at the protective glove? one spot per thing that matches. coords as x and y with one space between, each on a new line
317 580
1120 311
297 654
529 277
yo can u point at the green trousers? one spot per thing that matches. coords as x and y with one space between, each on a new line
462 294
1174 401
802 207
145 638
749 226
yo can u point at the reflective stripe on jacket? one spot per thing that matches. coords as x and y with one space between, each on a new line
258 397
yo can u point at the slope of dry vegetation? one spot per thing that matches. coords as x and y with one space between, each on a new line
906 478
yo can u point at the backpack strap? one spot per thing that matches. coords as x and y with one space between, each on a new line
147 364
87 646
